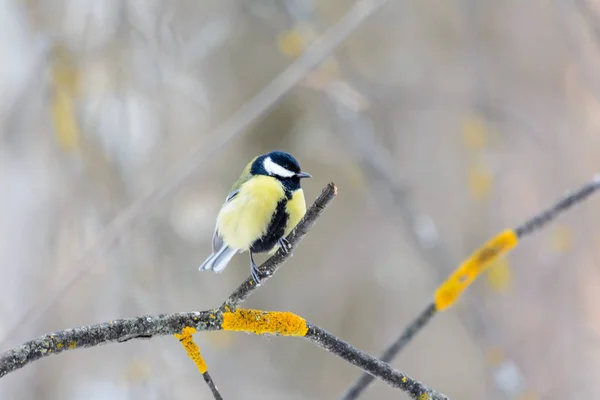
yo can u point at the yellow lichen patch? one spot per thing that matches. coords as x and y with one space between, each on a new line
449 291
263 322
191 348
72 345
404 379
424 396
59 346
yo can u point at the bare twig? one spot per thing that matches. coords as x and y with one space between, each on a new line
269 267
370 364
391 352
212 386
465 274
270 95
546 216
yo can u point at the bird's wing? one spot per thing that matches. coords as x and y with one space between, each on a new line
217 241
244 177
232 195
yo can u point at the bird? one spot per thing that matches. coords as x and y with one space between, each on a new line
261 209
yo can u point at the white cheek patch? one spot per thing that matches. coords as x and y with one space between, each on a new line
276 169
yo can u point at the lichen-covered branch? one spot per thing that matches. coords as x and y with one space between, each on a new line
193 352
116 331
227 317
462 277
183 325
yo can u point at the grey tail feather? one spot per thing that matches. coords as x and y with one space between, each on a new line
217 262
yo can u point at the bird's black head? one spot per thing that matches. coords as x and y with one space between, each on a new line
282 166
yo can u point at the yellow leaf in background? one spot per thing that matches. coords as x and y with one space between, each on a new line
561 239
475 133
64 80
499 275
495 356
480 182
64 71
293 42
67 130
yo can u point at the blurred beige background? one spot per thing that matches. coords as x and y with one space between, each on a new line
441 122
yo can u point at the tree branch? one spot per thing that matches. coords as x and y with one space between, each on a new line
227 317
250 321
371 365
116 331
213 387
193 352
450 290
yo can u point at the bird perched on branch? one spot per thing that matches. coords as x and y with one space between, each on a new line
262 208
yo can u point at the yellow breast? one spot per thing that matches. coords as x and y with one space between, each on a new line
296 208
246 218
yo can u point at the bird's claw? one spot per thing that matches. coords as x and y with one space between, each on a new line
285 245
255 273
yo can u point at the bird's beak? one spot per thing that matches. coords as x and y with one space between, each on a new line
303 175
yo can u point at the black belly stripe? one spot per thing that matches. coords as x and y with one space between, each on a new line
275 230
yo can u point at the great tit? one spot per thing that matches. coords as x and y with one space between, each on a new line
262 208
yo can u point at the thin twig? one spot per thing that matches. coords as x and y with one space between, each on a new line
193 352
568 201
212 386
370 364
484 256
388 355
270 95
269 267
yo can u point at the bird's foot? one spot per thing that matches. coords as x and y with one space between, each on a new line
255 272
285 245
